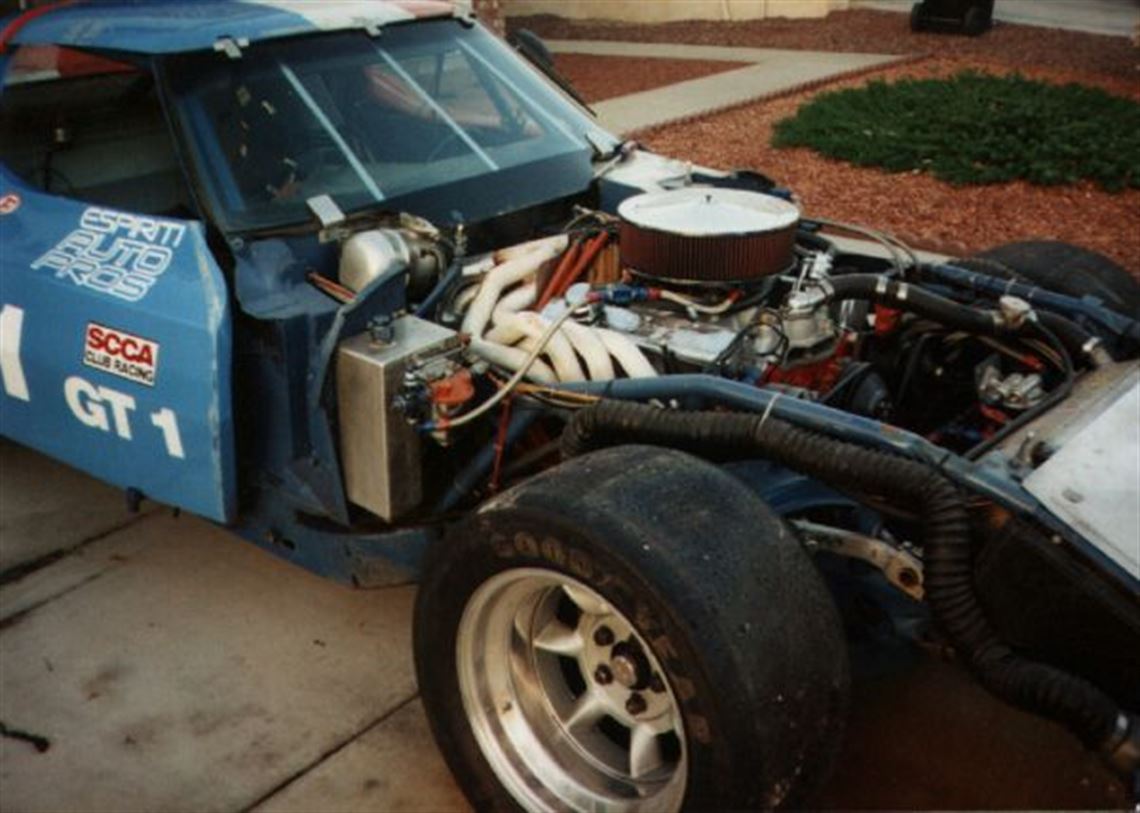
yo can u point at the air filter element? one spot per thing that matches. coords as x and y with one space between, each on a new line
703 235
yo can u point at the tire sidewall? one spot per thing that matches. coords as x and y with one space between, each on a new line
511 542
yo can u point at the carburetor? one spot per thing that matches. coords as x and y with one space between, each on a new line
806 320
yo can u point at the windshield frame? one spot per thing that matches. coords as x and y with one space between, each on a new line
467 200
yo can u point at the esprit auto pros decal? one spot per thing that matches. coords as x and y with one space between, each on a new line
114 252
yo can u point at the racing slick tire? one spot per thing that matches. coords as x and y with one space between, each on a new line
1064 268
632 630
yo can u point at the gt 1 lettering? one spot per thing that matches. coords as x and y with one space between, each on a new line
109 410
167 421
99 407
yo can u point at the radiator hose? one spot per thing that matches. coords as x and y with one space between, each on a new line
1084 709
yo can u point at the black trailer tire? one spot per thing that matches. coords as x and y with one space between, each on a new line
974 24
917 17
729 624
1064 268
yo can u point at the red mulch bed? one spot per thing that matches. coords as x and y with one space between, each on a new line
869 31
599 78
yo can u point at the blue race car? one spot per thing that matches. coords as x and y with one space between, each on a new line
364 284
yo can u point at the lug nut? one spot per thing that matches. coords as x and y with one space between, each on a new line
603 636
603 675
636 704
657 684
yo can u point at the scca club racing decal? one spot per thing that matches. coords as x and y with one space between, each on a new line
116 253
120 353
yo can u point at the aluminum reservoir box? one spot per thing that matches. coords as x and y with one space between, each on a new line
381 453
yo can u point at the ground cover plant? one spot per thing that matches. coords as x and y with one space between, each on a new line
975 128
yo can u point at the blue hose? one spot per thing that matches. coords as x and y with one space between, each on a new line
1116 323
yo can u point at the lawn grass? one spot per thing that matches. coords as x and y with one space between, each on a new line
976 128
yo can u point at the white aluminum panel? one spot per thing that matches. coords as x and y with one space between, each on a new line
1093 481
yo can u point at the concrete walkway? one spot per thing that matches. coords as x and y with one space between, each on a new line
773 70
172 667
1112 17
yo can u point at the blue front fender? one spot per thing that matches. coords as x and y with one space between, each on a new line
115 347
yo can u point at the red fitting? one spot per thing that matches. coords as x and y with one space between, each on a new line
453 391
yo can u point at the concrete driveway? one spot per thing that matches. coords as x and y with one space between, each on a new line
167 665
150 663
771 71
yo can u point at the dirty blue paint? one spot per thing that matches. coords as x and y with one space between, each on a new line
285 356
365 559
171 439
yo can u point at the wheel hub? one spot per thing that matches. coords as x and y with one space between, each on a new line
625 671
567 702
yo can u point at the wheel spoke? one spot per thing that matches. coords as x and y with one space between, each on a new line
644 751
586 712
559 639
523 620
586 601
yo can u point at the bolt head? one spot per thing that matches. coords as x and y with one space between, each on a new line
603 675
636 704
603 636
625 670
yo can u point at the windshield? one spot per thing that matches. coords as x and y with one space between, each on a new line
435 118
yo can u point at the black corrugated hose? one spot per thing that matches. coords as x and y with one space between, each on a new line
947 555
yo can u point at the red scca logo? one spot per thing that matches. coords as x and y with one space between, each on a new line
120 353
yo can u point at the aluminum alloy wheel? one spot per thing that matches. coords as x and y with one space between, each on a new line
570 707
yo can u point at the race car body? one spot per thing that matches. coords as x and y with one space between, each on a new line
357 281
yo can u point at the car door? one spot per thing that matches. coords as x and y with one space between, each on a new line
114 316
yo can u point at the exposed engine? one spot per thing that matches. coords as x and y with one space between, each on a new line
697 280
718 281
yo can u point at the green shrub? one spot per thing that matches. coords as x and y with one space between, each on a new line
975 129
